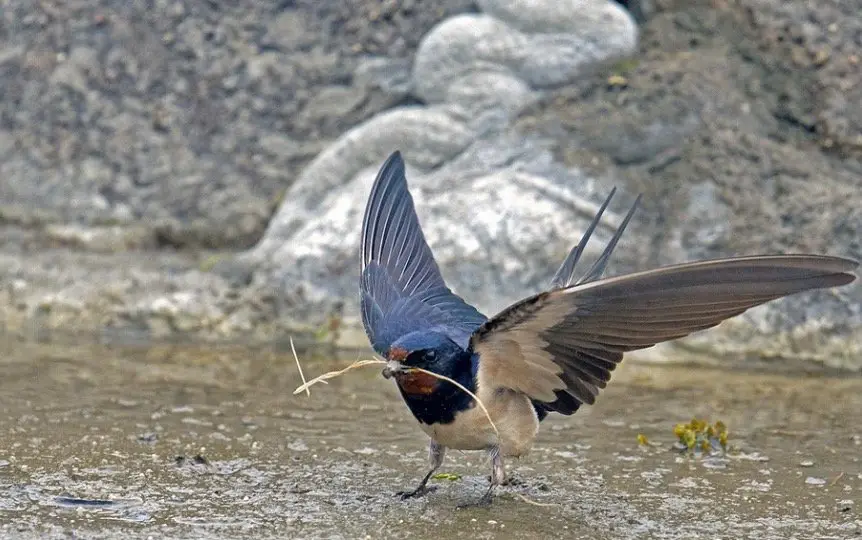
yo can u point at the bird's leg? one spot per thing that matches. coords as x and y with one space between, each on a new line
436 453
498 476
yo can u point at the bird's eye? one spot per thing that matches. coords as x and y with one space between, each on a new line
430 355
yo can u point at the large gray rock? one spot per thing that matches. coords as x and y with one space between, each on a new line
475 72
497 235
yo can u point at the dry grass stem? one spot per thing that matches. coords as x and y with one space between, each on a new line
299 367
332 374
534 503
361 363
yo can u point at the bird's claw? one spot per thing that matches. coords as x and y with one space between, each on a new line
418 492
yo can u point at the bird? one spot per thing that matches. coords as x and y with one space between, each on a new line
551 352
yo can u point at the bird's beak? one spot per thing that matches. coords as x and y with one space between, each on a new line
393 367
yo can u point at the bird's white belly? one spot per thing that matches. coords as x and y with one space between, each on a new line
513 415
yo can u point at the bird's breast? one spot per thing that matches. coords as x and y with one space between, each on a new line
514 417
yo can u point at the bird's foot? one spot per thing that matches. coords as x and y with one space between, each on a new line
420 491
498 476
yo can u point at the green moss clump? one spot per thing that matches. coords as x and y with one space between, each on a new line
699 436
452 477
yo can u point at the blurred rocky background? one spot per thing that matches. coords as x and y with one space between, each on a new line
183 169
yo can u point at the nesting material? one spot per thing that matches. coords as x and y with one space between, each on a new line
304 387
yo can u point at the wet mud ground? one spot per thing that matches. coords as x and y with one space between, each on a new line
174 441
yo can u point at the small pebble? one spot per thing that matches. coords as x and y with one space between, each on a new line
297 446
148 437
806 463
814 481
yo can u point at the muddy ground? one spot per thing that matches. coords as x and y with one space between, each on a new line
179 442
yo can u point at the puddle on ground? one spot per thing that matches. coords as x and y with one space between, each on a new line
209 442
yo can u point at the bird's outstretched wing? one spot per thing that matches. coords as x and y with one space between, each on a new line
400 285
560 347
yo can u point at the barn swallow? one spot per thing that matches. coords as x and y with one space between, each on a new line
551 352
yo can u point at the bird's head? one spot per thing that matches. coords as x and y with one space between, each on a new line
423 349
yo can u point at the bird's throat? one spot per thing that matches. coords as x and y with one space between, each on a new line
415 383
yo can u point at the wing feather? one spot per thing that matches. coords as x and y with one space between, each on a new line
401 288
562 345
